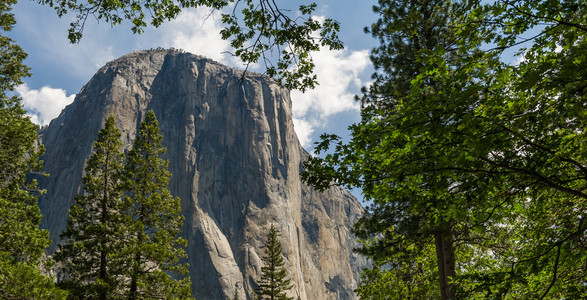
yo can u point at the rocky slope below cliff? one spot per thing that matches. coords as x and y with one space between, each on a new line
235 162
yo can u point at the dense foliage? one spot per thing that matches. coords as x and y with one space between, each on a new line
90 254
122 237
153 221
22 243
273 283
464 156
258 30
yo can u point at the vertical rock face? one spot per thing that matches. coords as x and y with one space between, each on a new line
235 161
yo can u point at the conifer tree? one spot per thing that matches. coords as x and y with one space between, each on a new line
153 219
401 154
274 282
22 243
93 238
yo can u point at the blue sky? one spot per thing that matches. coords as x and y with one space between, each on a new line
60 69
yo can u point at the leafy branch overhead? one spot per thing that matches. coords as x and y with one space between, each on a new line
258 30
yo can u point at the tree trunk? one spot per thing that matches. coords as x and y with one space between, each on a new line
104 220
446 263
137 261
134 278
102 295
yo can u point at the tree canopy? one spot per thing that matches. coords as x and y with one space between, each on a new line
465 156
22 243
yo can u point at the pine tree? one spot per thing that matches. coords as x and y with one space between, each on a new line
153 220
93 238
274 281
22 243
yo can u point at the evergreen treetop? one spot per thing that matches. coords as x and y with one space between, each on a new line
93 238
273 283
153 219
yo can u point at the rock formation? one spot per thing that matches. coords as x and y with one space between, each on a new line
235 162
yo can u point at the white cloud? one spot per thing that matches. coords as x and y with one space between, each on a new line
198 31
339 77
304 130
45 104
34 118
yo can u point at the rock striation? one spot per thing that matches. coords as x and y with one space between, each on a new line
235 162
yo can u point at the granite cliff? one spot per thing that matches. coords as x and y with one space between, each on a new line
235 162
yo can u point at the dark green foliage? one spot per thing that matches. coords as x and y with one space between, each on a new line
122 237
22 243
401 153
274 282
401 278
453 141
256 29
535 142
90 255
153 220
